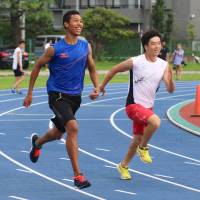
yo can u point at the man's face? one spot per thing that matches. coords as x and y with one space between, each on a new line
154 46
22 46
75 25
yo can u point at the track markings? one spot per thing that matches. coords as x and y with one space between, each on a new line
126 192
163 176
23 170
15 197
64 158
108 166
192 163
24 151
68 180
100 149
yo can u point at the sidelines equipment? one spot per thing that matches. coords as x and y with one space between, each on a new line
197 103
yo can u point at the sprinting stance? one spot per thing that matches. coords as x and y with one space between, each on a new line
178 59
17 67
67 60
146 72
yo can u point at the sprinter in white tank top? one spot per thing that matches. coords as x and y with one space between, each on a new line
146 73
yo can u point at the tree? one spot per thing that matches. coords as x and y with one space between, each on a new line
191 31
158 16
162 19
168 26
102 25
36 15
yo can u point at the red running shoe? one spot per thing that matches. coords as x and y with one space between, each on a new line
35 151
81 182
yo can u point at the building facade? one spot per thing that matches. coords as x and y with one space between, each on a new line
138 11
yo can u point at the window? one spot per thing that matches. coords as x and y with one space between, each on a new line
92 3
83 3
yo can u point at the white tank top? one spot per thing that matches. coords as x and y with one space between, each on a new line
145 78
15 63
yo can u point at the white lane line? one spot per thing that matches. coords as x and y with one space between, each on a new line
2 133
141 173
68 180
126 192
21 120
160 175
64 158
112 121
22 107
116 105
100 149
24 151
30 114
179 185
47 119
23 170
49 178
15 197
108 166
192 163
21 98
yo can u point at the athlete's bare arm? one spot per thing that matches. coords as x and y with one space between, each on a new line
44 59
121 67
168 79
93 75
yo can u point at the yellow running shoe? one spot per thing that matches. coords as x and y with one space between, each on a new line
125 175
144 154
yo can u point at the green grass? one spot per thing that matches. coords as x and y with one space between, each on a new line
106 65
191 67
7 81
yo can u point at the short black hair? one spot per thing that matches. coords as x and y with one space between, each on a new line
21 41
148 35
67 15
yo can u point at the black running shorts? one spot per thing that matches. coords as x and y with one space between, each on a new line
64 107
18 72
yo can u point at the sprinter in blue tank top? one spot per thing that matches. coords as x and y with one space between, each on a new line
67 60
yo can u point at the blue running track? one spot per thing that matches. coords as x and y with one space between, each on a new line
105 133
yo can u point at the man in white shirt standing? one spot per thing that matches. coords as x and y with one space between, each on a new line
146 73
17 67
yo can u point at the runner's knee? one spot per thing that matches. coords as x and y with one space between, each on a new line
154 121
71 127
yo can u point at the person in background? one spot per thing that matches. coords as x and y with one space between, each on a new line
178 60
17 67
164 52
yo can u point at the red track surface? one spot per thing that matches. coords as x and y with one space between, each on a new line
186 112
